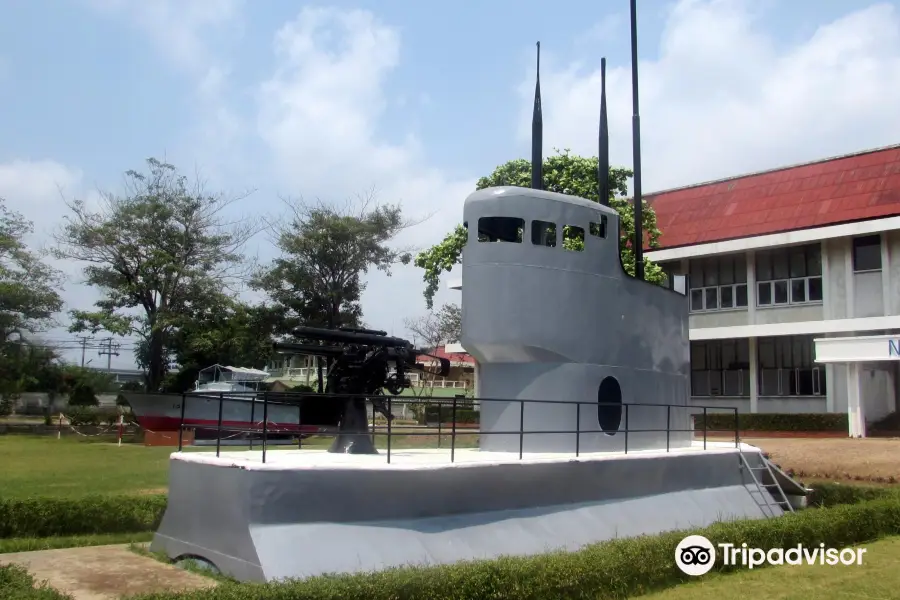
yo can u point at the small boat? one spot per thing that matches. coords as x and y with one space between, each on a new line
236 389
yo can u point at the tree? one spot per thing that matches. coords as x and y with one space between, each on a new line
325 252
29 299
83 395
226 332
437 327
163 248
29 296
563 173
25 367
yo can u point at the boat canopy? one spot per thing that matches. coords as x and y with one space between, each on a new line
233 374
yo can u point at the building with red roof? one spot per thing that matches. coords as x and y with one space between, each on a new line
794 276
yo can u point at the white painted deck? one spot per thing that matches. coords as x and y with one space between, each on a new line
427 459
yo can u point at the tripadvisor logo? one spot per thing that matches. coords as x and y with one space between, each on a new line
695 555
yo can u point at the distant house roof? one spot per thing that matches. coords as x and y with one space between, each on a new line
855 187
455 358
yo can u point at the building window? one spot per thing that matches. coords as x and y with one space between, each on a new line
787 367
720 368
867 253
786 276
718 283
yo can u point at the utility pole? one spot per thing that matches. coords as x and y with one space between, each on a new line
108 349
84 340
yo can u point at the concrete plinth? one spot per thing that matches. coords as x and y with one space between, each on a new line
308 512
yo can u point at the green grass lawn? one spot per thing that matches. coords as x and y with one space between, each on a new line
72 467
876 579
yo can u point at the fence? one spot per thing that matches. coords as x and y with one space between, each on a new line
295 399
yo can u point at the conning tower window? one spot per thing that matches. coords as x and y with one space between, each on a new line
543 233
573 238
599 229
500 229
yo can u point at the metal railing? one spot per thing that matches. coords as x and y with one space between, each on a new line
295 399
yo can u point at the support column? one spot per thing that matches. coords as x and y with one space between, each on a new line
751 288
886 273
892 387
849 278
754 377
855 407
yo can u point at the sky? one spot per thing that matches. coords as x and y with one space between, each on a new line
414 101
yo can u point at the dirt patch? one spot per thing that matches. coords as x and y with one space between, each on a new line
152 491
105 572
846 458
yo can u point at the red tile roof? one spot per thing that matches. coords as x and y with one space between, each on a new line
848 188
461 357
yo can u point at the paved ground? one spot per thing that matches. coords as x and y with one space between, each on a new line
105 572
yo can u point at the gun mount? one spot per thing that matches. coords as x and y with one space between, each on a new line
361 365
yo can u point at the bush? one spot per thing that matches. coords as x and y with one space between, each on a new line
81 416
6 406
44 517
434 413
83 395
834 494
16 582
617 569
774 422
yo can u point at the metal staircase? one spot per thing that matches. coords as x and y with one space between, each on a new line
767 490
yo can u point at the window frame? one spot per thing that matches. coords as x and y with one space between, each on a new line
865 242
710 269
768 262
788 364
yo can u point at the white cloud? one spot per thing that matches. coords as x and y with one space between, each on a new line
179 29
192 36
724 97
319 115
38 190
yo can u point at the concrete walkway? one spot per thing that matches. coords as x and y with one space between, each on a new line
105 572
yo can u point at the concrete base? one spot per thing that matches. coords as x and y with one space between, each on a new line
308 512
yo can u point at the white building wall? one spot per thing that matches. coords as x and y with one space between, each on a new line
847 294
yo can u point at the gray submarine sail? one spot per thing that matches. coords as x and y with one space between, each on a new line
550 315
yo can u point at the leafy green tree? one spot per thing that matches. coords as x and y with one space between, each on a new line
317 281
29 299
83 395
564 173
99 381
157 253
29 289
226 332
25 368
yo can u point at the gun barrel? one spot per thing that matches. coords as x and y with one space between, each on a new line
360 330
346 337
309 349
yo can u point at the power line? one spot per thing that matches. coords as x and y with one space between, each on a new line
84 340
109 351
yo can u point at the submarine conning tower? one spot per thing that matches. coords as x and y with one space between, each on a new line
550 314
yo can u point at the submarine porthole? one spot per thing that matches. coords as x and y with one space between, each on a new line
609 406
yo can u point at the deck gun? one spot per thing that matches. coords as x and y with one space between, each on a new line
361 364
